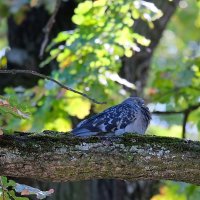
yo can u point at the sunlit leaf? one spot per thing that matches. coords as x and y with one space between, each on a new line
3 58
59 124
78 19
84 7
77 106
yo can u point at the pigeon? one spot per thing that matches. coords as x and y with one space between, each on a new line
130 116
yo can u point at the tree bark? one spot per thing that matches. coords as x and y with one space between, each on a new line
61 157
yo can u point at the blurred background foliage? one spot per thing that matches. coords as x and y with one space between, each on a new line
89 58
175 71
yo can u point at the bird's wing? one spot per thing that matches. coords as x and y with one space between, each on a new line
110 120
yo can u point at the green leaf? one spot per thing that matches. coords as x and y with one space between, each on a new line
12 194
62 36
78 19
6 183
84 7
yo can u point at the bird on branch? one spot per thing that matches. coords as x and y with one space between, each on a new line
130 116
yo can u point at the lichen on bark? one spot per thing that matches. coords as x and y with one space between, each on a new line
59 157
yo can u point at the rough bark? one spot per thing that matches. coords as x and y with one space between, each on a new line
66 158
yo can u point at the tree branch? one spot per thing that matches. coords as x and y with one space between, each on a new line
61 157
171 112
186 110
48 27
13 71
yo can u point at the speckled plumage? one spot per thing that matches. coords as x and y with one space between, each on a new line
131 116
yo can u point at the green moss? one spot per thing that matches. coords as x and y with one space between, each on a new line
130 157
93 139
33 142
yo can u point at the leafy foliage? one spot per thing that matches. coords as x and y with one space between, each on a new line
103 35
174 79
89 58
11 106
178 86
5 193
173 191
174 82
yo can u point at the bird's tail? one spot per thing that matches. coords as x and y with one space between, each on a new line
83 132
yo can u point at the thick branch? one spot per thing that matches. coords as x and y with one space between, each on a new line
63 157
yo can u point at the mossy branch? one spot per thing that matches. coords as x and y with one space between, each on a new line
61 157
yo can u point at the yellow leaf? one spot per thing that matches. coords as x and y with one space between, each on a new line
77 106
65 62
59 124
3 62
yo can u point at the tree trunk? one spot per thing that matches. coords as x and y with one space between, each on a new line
25 40
135 69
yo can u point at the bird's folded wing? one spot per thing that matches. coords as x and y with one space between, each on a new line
112 119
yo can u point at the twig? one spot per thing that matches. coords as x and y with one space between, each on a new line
14 71
189 109
166 112
48 27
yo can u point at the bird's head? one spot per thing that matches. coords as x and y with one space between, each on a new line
138 103
135 101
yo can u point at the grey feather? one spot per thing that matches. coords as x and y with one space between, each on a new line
130 116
